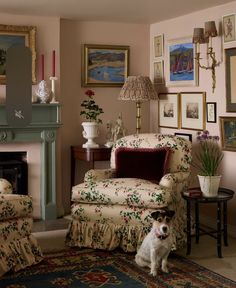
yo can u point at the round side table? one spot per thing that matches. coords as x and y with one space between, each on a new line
224 195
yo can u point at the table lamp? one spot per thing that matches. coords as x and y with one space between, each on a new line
138 89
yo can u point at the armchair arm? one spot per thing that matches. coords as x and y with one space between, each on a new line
99 174
170 180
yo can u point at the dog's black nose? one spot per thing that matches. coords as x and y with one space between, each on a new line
164 229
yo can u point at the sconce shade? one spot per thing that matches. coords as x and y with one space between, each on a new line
198 35
137 88
210 29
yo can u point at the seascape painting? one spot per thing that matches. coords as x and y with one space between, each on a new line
181 63
105 66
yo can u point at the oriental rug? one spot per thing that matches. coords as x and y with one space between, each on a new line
75 268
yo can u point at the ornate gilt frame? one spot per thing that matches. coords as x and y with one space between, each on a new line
29 32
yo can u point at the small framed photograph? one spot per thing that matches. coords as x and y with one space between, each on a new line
158 46
228 134
181 65
184 135
16 35
158 77
193 110
104 65
230 74
169 110
229 28
211 112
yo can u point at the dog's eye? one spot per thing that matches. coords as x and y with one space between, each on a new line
167 219
159 220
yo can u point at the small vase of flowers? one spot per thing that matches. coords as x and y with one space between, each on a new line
208 158
90 112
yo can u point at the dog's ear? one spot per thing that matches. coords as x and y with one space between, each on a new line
170 213
155 215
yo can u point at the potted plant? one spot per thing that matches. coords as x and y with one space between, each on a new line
208 158
90 112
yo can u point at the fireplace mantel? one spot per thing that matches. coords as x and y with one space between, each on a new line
45 121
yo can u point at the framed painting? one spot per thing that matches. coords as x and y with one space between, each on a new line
158 77
181 65
184 135
158 46
169 110
228 133
228 23
104 65
211 112
230 71
193 110
16 35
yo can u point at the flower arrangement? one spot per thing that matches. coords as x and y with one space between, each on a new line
91 109
209 154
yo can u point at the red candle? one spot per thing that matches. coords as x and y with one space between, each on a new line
53 63
42 67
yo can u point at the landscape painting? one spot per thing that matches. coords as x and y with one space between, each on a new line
105 65
181 63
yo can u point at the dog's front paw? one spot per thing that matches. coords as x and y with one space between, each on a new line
165 269
153 273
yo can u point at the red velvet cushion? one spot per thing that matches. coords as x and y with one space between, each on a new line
144 163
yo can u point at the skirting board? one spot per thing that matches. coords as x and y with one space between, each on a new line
210 222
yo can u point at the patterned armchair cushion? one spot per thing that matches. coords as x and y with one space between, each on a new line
143 163
15 206
5 186
180 156
122 191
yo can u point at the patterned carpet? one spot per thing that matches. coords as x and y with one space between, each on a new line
88 268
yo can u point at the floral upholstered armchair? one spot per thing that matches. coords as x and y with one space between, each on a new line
110 211
18 247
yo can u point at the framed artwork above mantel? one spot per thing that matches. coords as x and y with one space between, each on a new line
16 35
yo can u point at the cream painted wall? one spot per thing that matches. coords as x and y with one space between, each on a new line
183 27
73 34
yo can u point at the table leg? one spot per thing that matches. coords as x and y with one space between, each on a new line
72 169
188 228
225 223
197 222
219 229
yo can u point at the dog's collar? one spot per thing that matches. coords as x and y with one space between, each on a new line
161 236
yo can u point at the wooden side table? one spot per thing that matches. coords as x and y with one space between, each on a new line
224 195
102 153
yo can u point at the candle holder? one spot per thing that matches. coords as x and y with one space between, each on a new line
53 89
43 92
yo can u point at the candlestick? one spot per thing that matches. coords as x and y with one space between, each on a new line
53 63
53 89
42 67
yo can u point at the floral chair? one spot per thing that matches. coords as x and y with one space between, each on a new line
109 212
18 247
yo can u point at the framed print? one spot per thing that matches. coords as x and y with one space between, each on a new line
228 133
16 35
211 112
158 72
104 65
230 72
181 65
169 110
158 46
229 28
193 110
184 135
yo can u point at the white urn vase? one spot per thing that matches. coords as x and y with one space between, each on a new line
90 132
209 185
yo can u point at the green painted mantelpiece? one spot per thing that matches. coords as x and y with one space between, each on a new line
44 124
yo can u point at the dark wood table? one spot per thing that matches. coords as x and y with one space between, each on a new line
224 195
102 153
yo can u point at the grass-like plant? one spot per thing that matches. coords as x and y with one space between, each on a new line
209 154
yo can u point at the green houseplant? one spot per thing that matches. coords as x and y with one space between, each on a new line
208 158
90 112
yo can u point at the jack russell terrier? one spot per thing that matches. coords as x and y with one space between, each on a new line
157 244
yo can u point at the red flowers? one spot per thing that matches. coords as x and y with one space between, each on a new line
90 93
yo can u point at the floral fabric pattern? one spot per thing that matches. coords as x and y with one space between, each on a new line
111 212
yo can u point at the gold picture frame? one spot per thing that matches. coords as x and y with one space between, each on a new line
12 34
169 110
228 136
104 65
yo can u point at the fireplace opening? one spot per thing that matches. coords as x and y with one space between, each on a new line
13 167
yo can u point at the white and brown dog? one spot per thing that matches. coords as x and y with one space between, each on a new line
157 244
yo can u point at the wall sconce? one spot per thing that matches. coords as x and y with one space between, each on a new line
199 37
